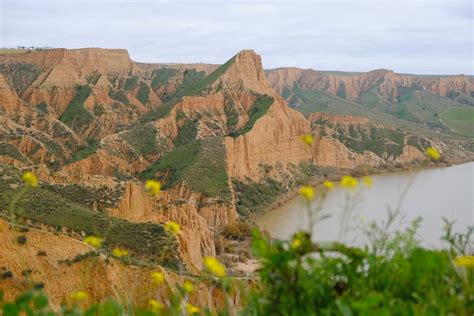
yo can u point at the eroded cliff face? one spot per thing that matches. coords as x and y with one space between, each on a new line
386 82
54 261
199 217
275 138
96 136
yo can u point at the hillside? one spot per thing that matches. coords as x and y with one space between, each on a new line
414 100
94 125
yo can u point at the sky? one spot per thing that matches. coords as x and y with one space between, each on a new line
407 36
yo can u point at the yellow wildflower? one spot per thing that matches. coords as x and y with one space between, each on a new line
94 241
296 243
173 227
328 185
307 192
119 252
30 179
79 296
191 309
214 266
368 182
464 261
188 286
155 306
349 182
157 277
153 186
308 139
432 153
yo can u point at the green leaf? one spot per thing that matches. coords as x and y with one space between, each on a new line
10 309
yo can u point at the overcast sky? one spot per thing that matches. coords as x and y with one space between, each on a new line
414 36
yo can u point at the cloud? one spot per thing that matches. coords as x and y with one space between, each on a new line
417 36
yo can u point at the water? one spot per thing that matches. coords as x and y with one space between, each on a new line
431 194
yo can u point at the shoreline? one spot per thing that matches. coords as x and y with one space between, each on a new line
286 197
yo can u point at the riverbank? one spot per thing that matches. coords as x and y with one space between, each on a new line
427 194
358 173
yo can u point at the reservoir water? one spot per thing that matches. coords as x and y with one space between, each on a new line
431 194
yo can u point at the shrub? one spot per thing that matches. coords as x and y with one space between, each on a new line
237 231
143 94
7 275
76 115
21 239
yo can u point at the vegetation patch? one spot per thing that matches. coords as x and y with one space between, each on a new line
45 204
253 196
85 151
162 76
460 120
76 115
19 75
119 95
419 143
93 77
42 106
231 113
143 94
187 132
381 141
194 83
130 83
144 140
11 151
201 164
341 90
258 109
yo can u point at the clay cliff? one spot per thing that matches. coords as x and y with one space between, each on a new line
94 126
352 85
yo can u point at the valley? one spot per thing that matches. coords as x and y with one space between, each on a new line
224 141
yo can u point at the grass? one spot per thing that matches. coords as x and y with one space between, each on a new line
187 132
76 115
53 206
162 76
86 150
143 139
253 196
42 106
383 142
194 83
130 83
20 75
143 94
11 151
460 120
201 164
258 109
119 95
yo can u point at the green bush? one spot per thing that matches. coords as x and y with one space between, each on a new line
201 164
76 115
143 138
162 76
258 109
393 276
253 196
143 94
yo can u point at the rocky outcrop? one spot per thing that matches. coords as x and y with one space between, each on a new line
51 260
332 153
182 206
275 138
246 71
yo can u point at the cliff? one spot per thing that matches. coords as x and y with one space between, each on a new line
352 85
